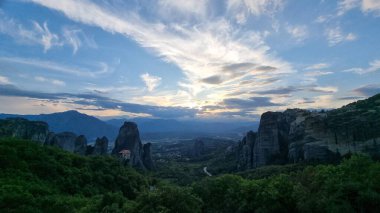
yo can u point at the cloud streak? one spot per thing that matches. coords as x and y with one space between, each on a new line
373 67
103 68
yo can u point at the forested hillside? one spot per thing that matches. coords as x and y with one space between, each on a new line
45 179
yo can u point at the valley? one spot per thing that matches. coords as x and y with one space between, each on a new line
292 153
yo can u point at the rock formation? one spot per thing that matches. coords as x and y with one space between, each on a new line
80 145
129 139
147 157
101 146
245 151
68 141
24 129
273 137
39 131
301 135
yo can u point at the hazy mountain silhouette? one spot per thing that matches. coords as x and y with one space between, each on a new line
93 127
73 121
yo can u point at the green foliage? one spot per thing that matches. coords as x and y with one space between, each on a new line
215 192
168 199
353 186
34 178
44 179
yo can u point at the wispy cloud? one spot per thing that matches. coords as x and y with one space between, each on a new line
324 18
335 36
318 66
4 80
347 5
36 34
366 6
318 73
75 38
53 66
279 91
256 8
328 89
183 8
151 81
71 36
39 34
51 81
373 67
215 42
298 32
249 103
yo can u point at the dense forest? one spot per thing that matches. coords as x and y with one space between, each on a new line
46 179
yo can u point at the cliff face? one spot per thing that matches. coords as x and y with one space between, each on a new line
129 139
147 157
101 146
68 141
300 135
22 128
245 151
273 138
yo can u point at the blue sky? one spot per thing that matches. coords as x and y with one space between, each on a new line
204 59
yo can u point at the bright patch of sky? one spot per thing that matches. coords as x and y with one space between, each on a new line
204 59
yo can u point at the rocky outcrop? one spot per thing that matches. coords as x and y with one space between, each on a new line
39 131
101 146
129 139
80 145
245 151
273 139
24 129
68 141
301 135
198 148
147 157
290 136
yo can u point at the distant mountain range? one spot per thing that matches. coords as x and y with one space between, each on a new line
93 127
73 121
169 128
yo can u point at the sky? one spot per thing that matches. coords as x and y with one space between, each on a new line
187 59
